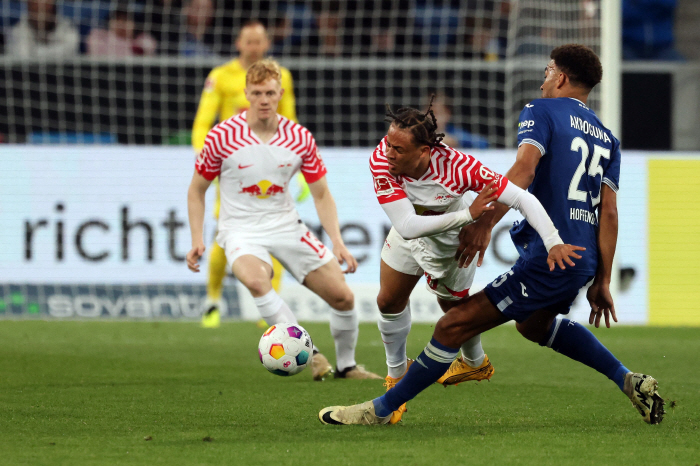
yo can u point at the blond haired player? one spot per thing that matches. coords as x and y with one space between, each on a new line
255 154
223 96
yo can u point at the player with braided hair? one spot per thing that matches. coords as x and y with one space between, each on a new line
557 135
422 185
423 126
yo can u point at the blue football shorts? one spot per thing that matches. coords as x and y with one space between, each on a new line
523 290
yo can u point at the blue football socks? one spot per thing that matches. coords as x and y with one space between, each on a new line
577 342
432 363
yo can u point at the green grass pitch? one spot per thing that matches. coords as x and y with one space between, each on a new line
172 393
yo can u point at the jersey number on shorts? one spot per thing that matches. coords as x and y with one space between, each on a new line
500 280
594 169
314 244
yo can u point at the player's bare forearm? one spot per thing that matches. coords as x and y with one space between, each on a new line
607 233
195 207
475 238
326 210
521 175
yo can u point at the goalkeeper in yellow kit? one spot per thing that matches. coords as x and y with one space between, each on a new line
222 98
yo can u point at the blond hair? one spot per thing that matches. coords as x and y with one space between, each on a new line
262 70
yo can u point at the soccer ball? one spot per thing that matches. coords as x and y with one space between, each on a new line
285 349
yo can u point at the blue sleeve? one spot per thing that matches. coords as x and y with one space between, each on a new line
611 176
534 127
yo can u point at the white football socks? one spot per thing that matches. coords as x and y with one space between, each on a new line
344 328
472 351
394 329
273 309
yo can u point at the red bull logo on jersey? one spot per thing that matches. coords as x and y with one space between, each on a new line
443 198
262 189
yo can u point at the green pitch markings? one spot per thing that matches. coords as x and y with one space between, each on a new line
171 393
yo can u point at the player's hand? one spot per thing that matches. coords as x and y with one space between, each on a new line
483 201
563 253
193 257
473 240
601 302
344 257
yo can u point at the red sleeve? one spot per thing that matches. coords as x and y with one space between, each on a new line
312 166
386 186
476 176
209 161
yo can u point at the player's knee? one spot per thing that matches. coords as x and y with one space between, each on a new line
447 331
389 305
344 301
529 332
257 286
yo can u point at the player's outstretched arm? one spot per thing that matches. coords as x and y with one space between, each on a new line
411 226
475 238
195 210
328 215
599 295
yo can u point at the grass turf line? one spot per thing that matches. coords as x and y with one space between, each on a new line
93 392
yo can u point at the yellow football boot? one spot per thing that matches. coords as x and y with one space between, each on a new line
211 318
262 324
389 383
320 367
460 371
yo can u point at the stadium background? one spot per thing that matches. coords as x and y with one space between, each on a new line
96 161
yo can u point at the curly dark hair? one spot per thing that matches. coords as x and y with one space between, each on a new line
580 63
422 126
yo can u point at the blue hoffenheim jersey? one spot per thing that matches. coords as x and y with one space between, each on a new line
578 155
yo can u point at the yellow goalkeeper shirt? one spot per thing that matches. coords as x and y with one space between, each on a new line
223 97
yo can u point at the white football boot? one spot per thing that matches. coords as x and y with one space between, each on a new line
641 389
362 414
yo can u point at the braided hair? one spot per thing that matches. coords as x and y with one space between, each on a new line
422 126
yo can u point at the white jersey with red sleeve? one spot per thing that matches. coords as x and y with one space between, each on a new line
254 176
441 189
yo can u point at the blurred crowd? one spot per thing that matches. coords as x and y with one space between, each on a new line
470 29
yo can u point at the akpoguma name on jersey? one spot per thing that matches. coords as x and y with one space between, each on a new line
583 215
587 128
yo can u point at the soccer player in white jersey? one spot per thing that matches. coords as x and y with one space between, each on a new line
421 185
255 154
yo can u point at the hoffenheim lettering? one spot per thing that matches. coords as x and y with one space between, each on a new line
588 128
584 215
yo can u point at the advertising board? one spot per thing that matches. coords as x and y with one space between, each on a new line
89 217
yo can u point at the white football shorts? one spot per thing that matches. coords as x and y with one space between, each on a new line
432 258
297 249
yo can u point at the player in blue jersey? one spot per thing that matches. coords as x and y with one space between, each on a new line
571 163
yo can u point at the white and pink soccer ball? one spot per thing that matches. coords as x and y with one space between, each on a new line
285 349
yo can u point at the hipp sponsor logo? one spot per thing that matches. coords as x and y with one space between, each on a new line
262 190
